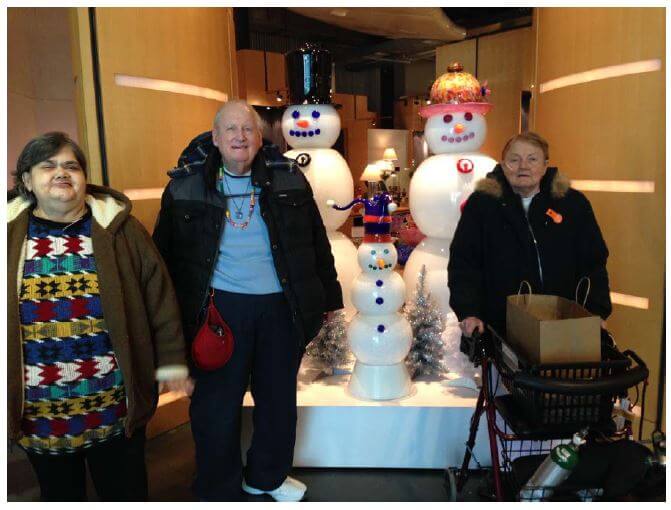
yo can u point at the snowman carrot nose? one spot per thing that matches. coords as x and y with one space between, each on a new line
380 263
303 123
459 128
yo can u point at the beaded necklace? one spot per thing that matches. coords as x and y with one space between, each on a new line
252 203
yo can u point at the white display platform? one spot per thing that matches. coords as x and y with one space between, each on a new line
427 429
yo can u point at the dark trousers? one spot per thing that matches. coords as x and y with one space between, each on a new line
117 469
265 351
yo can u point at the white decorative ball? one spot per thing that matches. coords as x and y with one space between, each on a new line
434 254
377 258
440 187
455 132
310 125
330 179
375 295
380 339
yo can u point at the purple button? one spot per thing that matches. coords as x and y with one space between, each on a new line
379 283
380 328
379 301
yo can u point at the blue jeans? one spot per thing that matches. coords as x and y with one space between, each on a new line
265 353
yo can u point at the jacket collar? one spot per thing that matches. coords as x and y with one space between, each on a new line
495 184
201 156
109 207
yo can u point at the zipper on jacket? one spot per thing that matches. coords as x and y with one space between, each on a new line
538 255
214 262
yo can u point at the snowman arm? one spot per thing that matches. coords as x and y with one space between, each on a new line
465 269
331 203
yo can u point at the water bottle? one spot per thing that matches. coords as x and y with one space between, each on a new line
556 468
623 416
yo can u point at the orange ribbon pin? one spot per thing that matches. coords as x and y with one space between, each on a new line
556 217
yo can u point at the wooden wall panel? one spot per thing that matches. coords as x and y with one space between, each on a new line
463 52
40 88
613 129
504 61
145 130
252 72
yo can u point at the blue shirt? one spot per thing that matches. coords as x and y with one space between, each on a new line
245 262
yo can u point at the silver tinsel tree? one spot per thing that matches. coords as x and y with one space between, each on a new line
427 352
330 345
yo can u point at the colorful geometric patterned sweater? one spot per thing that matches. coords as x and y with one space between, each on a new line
74 392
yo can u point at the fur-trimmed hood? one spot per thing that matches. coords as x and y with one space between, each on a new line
554 182
109 207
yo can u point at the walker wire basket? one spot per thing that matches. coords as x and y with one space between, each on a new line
566 395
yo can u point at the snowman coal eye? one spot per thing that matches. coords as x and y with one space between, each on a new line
386 251
315 114
295 114
372 252
468 116
447 119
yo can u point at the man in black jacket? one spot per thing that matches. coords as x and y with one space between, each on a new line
524 222
239 218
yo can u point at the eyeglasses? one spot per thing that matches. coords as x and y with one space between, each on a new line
516 161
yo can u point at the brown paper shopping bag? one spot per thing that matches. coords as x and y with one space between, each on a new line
552 329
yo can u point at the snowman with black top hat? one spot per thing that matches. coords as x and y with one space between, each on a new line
311 125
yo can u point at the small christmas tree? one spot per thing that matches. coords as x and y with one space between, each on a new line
330 345
427 352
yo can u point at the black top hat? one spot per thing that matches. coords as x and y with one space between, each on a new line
309 75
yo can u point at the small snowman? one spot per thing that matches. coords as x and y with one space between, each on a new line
455 130
311 125
379 335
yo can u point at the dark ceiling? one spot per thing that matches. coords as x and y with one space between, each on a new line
280 30
479 17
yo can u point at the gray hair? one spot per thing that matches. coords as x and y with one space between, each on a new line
244 104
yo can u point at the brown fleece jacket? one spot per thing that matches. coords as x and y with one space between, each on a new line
137 296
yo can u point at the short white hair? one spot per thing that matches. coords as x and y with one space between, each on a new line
242 103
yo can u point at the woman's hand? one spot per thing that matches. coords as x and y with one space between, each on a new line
184 385
469 324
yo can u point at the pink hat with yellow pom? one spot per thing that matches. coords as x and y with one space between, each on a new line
457 91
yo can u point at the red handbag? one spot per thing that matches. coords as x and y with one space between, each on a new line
213 345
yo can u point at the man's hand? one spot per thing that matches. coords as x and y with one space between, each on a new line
470 324
184 385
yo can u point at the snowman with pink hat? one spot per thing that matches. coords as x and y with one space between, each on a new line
455 130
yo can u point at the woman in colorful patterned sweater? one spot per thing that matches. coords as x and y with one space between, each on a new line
92 324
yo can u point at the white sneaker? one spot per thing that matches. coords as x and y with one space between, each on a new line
290 490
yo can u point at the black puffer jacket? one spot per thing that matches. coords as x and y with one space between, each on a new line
191 222
493 248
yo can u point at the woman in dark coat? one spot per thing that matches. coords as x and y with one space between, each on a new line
524 222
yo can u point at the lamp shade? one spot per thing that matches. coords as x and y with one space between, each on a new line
371 173
389 154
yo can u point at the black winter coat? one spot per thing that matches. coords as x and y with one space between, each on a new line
191 222
495 247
